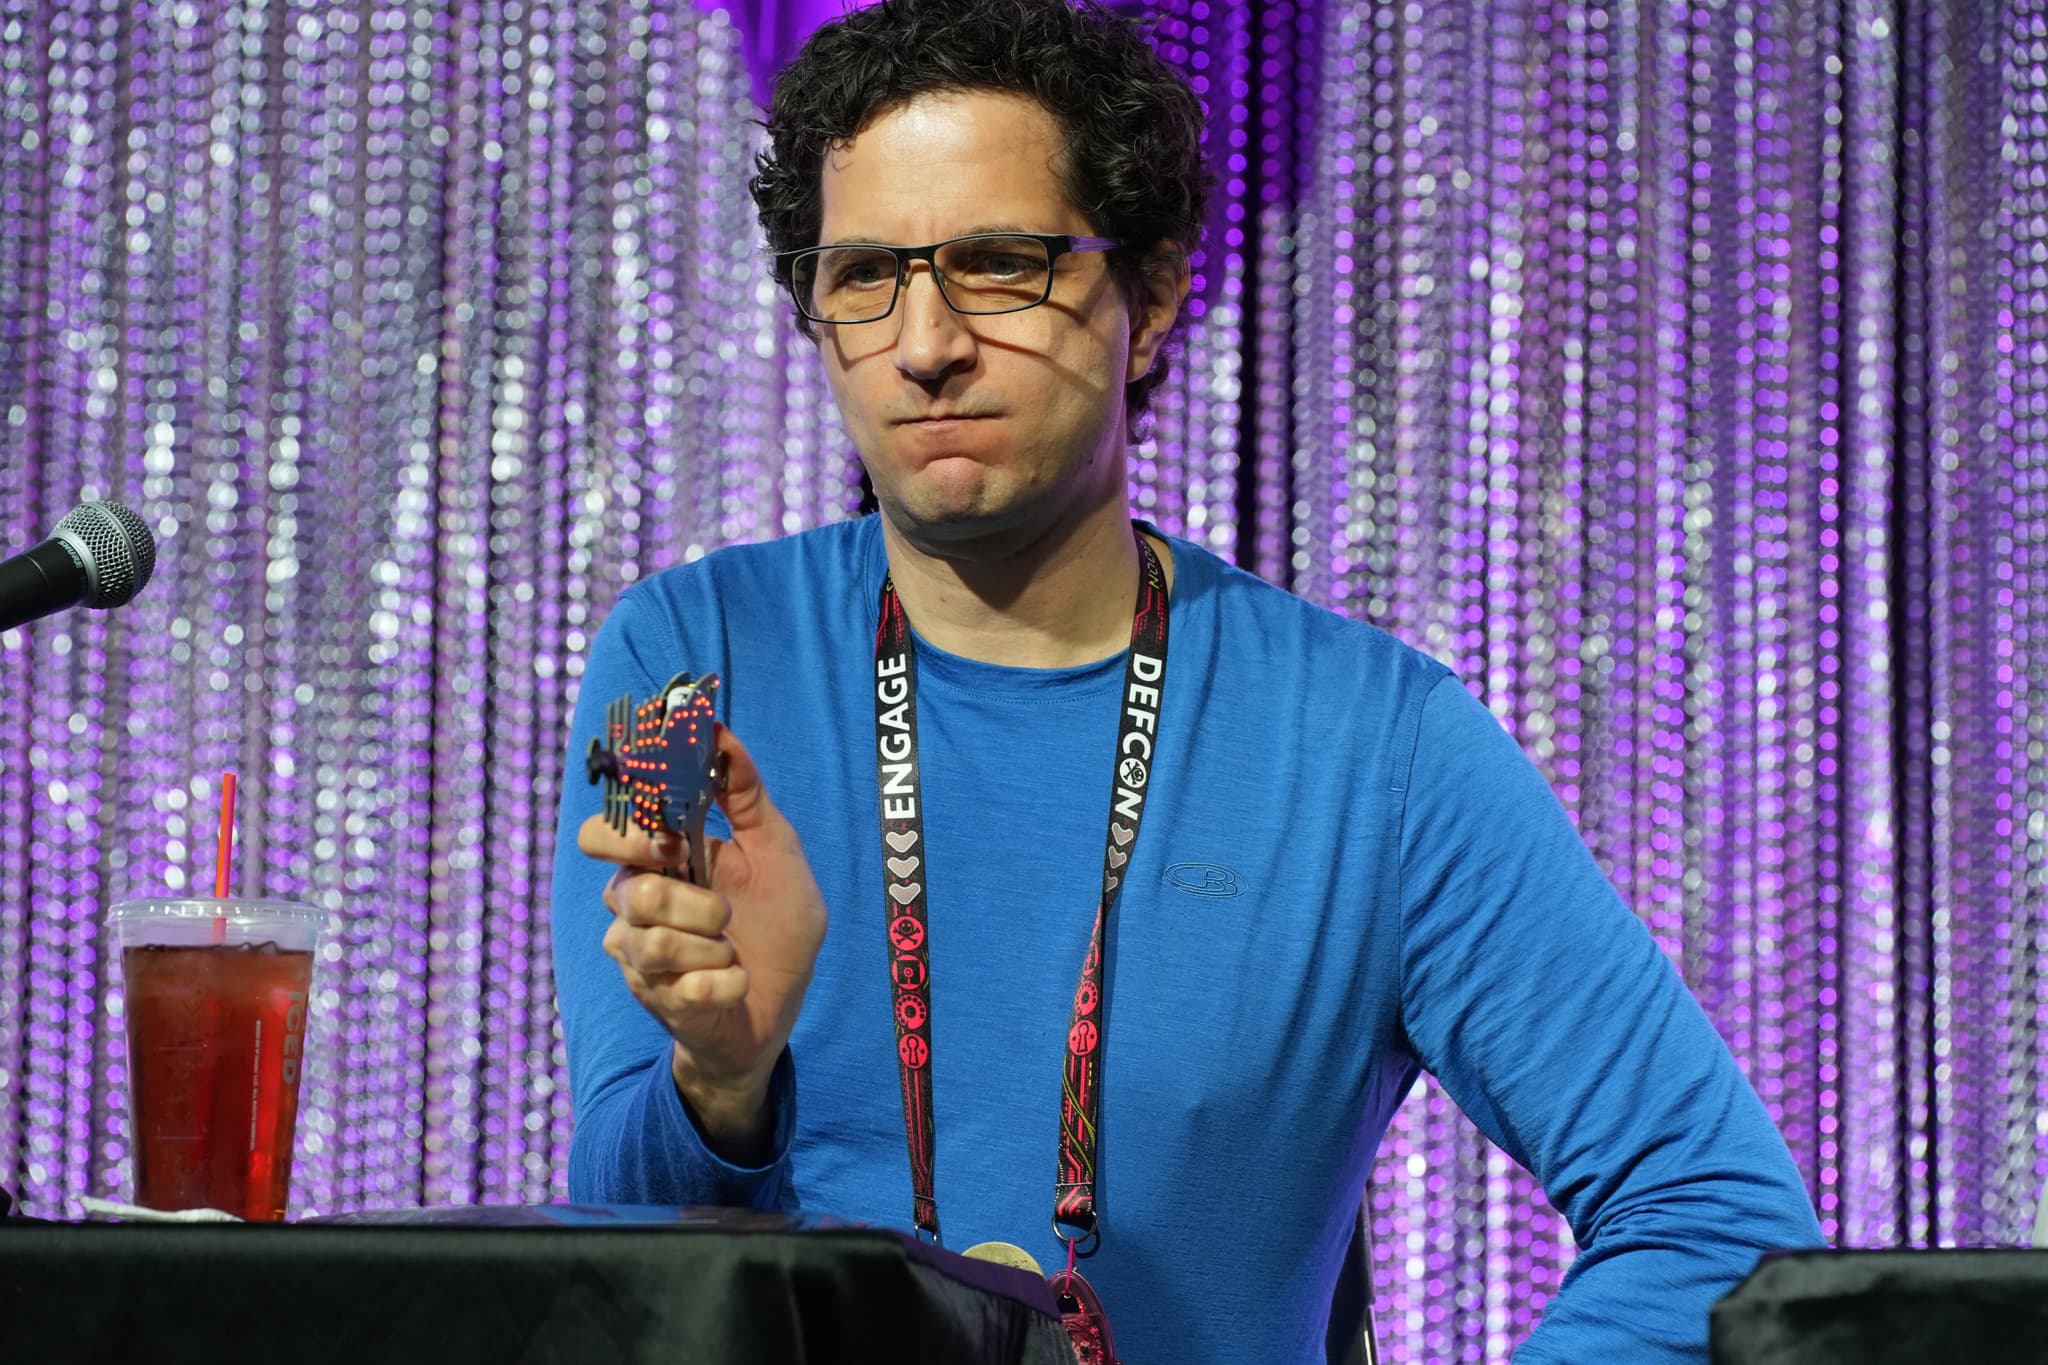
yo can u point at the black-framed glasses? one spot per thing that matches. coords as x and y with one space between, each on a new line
985 272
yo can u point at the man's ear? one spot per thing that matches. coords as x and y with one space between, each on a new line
1163 288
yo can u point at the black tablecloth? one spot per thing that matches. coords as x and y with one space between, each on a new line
1881 1307
505 1285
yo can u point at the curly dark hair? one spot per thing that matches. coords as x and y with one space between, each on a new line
1132 155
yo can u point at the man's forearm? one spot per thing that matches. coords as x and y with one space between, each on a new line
732 1117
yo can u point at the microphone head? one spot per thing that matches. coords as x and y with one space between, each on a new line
113 546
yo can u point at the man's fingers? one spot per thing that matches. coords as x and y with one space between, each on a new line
649 900
659 956
703 988
721 988
635 848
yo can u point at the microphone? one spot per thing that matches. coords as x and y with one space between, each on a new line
100 554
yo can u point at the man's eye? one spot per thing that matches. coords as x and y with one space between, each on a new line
858 274
1003 267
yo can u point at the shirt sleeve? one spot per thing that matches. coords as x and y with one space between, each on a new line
634 1142
1551 1017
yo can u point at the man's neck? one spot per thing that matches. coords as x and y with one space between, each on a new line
1063 600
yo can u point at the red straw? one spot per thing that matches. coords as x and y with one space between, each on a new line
224 856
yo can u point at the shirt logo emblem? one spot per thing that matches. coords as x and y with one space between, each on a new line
1204 879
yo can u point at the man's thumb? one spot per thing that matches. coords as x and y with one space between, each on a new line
745 798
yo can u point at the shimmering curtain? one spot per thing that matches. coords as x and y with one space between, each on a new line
1676 371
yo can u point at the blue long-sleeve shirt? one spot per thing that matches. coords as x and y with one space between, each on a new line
1347 872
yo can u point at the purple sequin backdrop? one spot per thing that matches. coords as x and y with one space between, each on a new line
1677 371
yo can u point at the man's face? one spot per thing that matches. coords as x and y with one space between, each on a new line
980 433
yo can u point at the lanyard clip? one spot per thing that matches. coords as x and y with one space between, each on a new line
1082 1243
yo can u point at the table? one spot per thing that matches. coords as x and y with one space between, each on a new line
1882 1307
537 1284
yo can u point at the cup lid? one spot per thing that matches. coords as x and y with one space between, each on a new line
231 907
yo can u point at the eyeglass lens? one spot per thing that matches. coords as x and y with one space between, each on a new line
976 274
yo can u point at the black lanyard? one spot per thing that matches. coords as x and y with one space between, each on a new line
904 869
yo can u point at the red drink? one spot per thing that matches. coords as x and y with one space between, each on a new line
216 1037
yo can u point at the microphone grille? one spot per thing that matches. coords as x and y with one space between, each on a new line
116 548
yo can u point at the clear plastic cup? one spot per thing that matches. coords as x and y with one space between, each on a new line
216 996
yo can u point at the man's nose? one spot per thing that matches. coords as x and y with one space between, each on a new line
932 338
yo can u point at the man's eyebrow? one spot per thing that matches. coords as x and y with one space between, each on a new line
856 239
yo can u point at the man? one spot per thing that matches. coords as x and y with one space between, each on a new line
1329 865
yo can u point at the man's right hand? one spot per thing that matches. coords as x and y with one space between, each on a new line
724 967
